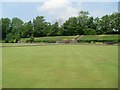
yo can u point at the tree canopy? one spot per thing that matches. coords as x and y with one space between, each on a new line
83 24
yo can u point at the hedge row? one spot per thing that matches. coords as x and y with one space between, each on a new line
48 39
79 41
103 41
44 41
100 37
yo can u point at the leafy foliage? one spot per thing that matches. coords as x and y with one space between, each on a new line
82 24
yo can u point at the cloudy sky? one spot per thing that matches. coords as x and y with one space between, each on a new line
55 10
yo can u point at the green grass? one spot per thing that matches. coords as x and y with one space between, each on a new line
53 39
50 38
99 37
60 66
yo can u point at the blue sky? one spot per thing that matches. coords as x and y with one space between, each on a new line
55 10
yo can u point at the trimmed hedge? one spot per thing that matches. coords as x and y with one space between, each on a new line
48 39
44 41
107 39
104 41
84 39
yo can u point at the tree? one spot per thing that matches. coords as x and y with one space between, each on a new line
70 26
8 38
90 23
16 37
105 24
30 28
16 25
47 28
17 28
97 26
54 29
115 22
27 30
90 31
81 21
6 24
39 26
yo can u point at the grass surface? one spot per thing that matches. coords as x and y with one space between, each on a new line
85 37
63 66
96 38
99 37
50 38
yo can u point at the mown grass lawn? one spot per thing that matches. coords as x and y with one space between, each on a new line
60 66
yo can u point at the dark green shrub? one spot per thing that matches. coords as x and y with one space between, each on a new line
30 40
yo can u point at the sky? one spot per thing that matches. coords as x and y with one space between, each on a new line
55 10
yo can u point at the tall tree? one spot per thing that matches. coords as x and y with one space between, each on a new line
9 38
97 26
39 26
105 24
70 26
115 22
6 24
81 21
27 29
17 25
54 29
81 24
47 28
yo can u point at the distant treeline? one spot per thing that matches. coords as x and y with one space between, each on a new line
83 24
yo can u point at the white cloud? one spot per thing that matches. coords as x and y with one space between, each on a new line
68 12
54 4
61 9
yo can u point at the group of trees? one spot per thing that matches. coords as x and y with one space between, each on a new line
83 24
86 25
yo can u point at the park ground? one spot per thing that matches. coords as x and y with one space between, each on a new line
60 66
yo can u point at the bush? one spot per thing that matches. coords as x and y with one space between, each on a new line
30 40
89 31
44 41
8 38
103 41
